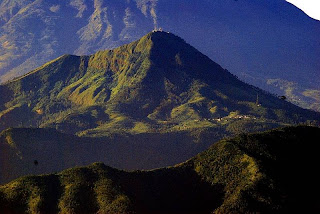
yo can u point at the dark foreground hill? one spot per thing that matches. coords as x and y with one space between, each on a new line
269 172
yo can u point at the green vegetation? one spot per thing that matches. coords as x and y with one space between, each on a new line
152 103
269 172
31 35
156 83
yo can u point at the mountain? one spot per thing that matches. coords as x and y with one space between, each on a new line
149 104
267 43
35 32
269 172
156 84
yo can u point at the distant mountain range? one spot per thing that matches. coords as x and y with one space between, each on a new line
152 103
268 43
270 172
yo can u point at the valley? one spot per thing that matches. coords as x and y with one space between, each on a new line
268 172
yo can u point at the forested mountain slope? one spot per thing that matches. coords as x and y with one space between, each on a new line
152 103
268 43
157 83
269 172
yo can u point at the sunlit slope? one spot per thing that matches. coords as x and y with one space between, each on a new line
269 172
268 43
156 83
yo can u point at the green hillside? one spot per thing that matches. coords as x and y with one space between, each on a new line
269 172
149 104
259 41
156 84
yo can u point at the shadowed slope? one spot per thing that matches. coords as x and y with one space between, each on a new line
54 151
152 103
268 43
157 82
270 172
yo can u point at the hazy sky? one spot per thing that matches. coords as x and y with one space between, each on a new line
310 7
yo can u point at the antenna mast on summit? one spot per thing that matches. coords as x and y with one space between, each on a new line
157 29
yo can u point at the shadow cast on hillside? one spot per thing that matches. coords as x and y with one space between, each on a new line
173 190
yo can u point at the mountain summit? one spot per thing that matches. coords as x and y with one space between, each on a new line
148 104
157 82
268 43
